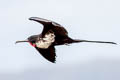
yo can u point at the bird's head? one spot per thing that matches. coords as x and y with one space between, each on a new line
31 40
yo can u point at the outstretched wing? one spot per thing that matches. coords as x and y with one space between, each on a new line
48 53
50 25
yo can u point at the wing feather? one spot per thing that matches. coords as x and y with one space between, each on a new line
50 25
48 54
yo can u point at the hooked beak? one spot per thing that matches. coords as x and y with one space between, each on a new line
21 41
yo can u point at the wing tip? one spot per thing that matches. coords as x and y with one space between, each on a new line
39 19
32 18
53 61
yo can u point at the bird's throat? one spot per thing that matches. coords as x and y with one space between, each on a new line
32 44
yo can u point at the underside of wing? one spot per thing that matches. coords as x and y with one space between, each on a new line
48 54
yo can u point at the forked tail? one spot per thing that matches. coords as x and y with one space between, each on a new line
75 40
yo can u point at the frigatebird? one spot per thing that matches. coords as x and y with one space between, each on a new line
53 34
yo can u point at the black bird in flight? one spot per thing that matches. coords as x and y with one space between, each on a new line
53 34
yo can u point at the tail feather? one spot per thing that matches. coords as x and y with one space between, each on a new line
75 40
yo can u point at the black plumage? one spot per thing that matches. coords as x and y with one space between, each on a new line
53 34
48 53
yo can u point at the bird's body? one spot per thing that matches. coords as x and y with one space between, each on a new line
53 34
45 41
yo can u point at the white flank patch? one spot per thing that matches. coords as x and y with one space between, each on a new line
46 41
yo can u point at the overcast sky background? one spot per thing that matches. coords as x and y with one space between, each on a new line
84 19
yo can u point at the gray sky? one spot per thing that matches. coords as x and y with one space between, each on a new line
84 19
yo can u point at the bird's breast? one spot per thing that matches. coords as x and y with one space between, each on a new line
46 41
